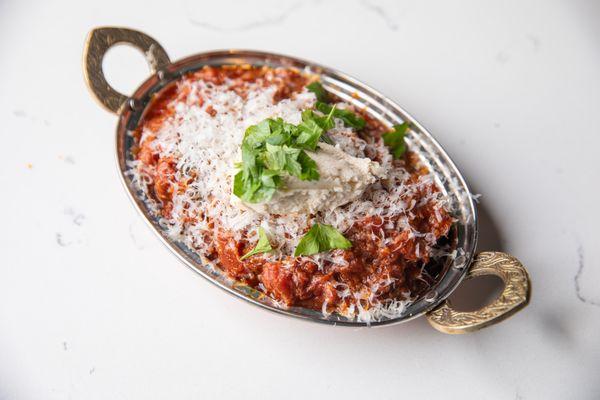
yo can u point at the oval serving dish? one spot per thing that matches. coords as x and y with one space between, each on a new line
465 264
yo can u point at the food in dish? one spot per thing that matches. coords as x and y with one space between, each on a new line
292 191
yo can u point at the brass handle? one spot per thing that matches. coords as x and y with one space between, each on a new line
97 44
514 297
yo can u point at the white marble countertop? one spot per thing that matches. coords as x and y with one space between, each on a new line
92 306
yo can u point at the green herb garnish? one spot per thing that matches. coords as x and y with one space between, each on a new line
395 140
319 91
348 117
273 149
262 246
321 238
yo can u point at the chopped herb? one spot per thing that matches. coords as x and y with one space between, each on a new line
324 122
319 91
256 134
273 149
279 157
309 170
310 133
262 246
320 238
348 117
395 140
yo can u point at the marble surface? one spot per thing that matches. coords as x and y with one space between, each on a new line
93 307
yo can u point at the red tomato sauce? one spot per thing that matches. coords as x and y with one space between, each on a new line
298 281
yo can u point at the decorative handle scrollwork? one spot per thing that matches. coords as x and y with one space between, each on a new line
515 296
98 42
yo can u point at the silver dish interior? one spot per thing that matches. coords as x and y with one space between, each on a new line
419 141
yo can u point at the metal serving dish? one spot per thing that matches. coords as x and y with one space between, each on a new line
441 315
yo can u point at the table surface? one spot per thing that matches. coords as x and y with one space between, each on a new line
92 306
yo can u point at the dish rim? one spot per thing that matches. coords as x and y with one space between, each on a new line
137 103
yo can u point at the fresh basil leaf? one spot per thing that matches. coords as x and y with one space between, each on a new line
293 167
262 194
320 238
309 169
275 157
319 91
309 244
270 179
256 135
262 246
245 188
272 149
276 126
278 157
291 152
327 123
249 161
239 184
395 140
277 139
310 133
289 130
348 117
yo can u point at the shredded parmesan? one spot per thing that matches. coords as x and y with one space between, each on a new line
203 136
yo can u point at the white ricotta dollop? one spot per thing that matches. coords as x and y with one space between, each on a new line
343 178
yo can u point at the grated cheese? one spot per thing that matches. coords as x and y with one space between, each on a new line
205 147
